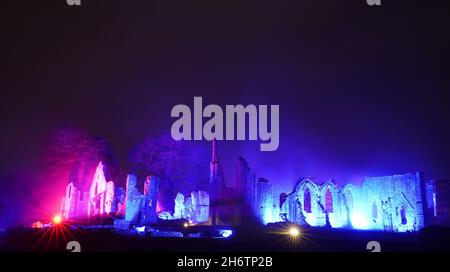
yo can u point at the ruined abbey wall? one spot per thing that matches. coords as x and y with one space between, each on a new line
391 203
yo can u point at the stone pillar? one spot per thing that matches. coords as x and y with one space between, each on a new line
132 200
151 187
179 211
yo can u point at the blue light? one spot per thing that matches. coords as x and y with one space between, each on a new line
359 222
267 216
140 230
226 233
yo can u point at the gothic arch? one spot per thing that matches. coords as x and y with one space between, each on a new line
97 192
329 192
307 200
307 183
304 187
98 184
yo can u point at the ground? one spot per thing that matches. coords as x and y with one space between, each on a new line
264 239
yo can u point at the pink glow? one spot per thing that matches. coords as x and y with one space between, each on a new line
159 207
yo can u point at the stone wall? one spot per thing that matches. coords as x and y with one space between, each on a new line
393 203
75 203
194 208
133 200
401 197
140 208
151 188
255 194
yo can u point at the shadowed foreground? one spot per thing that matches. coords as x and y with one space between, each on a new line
267 239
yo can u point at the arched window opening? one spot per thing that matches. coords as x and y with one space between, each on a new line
328 201
307 201
403 215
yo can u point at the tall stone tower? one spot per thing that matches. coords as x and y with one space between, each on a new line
216 186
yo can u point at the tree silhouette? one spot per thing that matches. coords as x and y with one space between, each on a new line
182 166
69 148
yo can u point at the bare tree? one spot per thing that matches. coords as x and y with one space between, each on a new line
68 144
68 147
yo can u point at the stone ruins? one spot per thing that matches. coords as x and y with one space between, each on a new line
397 203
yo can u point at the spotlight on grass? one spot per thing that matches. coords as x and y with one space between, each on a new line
226 233
291 234
294 232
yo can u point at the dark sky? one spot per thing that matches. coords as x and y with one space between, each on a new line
362 90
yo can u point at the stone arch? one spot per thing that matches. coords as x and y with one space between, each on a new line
307 200
330 204
329 192
307 183
97 192
304 187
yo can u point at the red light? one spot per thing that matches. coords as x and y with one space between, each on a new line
37 225
57 219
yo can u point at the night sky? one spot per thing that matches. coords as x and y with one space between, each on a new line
362 90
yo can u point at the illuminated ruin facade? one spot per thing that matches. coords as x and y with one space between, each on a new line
396 203
98 201
389 203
